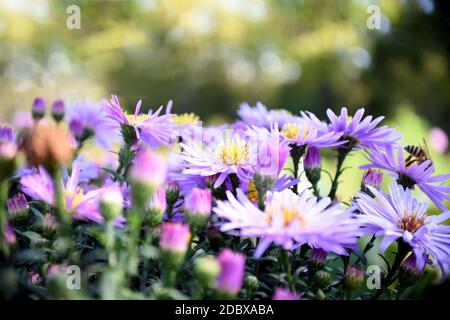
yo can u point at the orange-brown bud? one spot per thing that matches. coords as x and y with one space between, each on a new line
48 145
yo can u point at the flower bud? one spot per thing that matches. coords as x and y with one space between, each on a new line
318 258
49 226
322 278
18 208
231 275
207 269
156 207
313 165
147 173
251 282
373 178
174 243
198 207
34 278
409 272
8 153
172 192
38 109
6 133
285 294
48 145
111 201
354 277
58 110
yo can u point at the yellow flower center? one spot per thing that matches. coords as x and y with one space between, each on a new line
138 119
252 193
233 152
73 199
291 131
411 222
289 215
185 118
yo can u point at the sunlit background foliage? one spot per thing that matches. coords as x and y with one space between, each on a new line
209 56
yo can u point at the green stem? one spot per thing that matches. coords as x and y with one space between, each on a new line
402 251
287 268
342 154
296 154
3 216
110 239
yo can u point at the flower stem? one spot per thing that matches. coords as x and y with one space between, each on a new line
3 218
296 154
287 268
342 154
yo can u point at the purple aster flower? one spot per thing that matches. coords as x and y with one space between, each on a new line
260 116
400 216
88 119
290 220
309 131
270 150
231 155
412 173
285 294
361 132
231 274
152 128
82 205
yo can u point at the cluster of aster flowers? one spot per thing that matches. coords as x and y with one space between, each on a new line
154 205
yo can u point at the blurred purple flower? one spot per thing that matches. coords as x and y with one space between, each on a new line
231 274
87 118
285 294
260 116
439 140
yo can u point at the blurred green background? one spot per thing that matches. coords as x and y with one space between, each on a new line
209 56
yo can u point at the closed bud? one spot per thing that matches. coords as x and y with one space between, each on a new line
156 207
58 110
48 145
174 242
322 278
373 178
354 277
8 153
38 109
111 201
198 207
18 208
313 165
231 275
49 226
251 282
318 258
207 269
409 272
148 172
